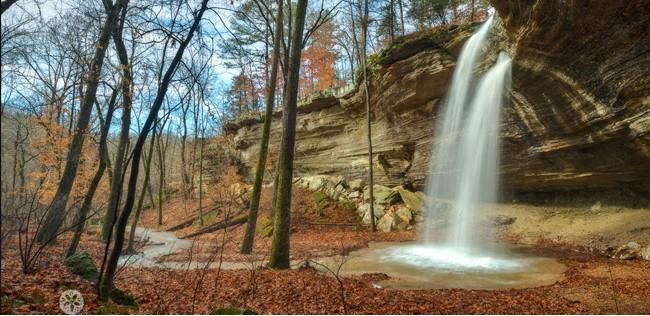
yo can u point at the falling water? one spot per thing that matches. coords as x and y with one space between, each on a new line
464 166
444 154
463 181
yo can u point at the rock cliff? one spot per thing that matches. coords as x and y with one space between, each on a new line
578 116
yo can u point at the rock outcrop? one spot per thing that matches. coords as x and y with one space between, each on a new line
579 116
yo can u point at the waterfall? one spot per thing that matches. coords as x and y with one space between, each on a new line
463 182
465 161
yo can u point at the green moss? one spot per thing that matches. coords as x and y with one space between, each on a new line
320 199
267 231
263 223
112 309
120 297
82 265
232 311
9 301
95 221
348 205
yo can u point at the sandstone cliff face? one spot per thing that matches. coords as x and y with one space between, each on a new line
578 118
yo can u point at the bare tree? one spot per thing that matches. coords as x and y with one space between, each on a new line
127 98
107 276
249 237
80 217
279 257
56 214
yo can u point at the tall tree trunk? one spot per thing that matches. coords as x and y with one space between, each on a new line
401 15
161 174
143 192
249 237
56 215
392 20
127 97
473 10
107 276
80 217
364 34
185 178
280 246
201 174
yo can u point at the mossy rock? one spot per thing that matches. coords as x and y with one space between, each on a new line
120 297
232 311
321 200
82 265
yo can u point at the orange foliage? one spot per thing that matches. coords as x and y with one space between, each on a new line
318 60
51 149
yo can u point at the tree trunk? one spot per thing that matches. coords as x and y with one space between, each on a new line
185 178
249 237
364 34
107 276
80 218
143 192
280 246
56 215
401 15
201 175
161 177
127 97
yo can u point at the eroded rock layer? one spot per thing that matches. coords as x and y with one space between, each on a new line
578 116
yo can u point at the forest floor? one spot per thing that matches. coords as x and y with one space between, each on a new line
593 284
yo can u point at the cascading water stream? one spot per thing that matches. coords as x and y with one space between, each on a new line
445 153
464 166
478 156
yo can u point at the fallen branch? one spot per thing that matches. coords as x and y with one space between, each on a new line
188 222
217 226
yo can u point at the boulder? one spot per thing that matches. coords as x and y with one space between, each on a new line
364 211
500 220
357 184
596 207
383 195
413 200
628 251
645 253
387 223
404 214
313 183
